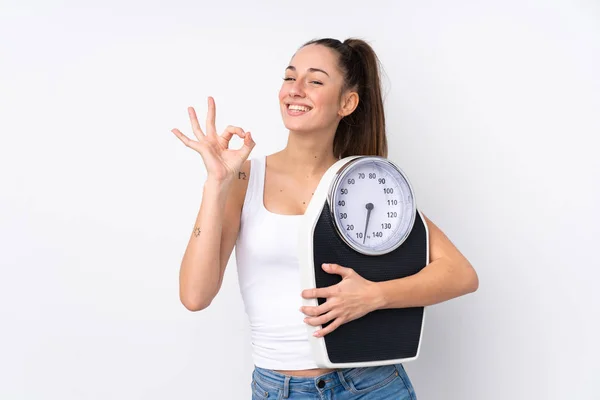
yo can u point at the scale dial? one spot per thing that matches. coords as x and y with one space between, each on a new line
372 205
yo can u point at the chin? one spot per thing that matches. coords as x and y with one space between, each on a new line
296 127
293 124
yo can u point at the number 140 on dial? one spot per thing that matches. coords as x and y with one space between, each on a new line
373 205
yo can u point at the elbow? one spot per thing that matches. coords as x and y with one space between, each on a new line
196 294
194 302
195 306
471 279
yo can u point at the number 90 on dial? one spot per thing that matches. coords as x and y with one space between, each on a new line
372 205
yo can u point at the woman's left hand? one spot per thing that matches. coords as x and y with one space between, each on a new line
348 300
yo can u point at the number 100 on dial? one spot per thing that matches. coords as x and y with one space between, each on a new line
372 205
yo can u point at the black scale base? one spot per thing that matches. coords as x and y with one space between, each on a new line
382 334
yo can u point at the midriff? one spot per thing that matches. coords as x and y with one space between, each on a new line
306 372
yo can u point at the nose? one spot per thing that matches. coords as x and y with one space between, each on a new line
297 90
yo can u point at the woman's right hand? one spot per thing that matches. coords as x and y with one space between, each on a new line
221 162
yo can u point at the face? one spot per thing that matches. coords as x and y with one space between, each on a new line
311 97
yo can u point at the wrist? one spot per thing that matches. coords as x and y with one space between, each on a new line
377 296
217 184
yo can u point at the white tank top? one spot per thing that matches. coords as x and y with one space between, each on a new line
269 280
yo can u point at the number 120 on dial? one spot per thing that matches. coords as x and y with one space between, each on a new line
372 205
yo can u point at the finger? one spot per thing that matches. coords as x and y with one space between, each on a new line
330 328
187 141
317 293
232 130
337 269
315 311
195 124
210 117
320 320
248 146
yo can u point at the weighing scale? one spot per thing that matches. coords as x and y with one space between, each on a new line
363 216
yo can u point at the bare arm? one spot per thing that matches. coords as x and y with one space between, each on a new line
200 272
217 224
212 241
448 275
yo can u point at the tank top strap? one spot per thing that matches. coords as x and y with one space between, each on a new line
256 185
261 163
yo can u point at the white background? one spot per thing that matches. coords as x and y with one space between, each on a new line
492 110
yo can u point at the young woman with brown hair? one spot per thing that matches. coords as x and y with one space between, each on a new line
331 104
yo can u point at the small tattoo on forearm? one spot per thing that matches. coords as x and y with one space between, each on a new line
197 232
242 175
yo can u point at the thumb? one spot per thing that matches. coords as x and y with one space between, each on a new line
337 269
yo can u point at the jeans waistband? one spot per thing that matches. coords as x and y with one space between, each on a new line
277 381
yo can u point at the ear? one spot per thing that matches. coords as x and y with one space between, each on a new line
348 104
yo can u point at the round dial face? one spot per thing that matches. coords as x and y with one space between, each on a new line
373 205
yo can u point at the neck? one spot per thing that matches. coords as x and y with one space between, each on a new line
309 153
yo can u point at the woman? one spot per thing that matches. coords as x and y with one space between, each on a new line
332 106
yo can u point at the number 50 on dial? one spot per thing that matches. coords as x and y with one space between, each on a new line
372 205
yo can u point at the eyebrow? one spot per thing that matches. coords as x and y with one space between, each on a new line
292 68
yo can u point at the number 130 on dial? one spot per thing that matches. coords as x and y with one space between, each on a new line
372 205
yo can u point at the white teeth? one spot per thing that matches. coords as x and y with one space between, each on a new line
298 108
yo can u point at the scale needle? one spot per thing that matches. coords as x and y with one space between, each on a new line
369 207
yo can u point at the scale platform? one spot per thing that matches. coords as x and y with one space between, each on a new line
388 336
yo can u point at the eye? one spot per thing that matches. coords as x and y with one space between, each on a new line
288 78
317 82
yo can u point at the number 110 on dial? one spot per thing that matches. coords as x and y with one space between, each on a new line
372 205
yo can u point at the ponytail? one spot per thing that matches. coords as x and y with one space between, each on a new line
363 131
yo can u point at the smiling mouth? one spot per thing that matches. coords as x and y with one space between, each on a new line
298 108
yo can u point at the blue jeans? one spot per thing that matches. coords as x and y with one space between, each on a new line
366 383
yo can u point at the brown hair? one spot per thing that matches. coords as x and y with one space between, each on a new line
363 131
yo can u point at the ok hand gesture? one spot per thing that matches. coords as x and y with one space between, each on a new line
221 162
